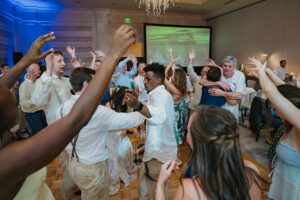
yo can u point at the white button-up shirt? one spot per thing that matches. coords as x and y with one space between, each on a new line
50 93
160 142
92 140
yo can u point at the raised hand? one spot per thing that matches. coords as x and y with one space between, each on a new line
122 39
192 55
93 54
170 50
49 64
34 54
211 62
259 66
71 51
99 53
134 59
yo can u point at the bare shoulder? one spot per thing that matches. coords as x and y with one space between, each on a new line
187 190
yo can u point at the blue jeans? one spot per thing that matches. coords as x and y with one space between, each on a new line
36 121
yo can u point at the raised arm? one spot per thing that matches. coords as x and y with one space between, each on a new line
290 112
33 55
134 68
74 61
122 63
169 85
20 159
40 95
273 77
92 65
190 69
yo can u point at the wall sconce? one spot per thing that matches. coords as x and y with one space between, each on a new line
264 55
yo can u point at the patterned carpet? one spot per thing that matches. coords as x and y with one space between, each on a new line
253 151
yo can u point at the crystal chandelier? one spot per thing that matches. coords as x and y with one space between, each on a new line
156 5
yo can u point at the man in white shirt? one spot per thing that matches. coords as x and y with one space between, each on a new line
88 152
235 80
160 144
139 83
280 72
34 114
52 89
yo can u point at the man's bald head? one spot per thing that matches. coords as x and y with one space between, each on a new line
33 71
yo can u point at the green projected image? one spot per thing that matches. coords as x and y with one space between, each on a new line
180 39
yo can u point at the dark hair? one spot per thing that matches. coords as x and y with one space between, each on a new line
129 64
58 53
141 61
291 93
79 75
214 74
117 99
216 159
282 61
157 69
3 65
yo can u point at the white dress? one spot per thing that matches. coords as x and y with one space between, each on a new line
120 161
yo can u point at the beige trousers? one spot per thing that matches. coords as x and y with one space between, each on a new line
147 186
68 186
93 180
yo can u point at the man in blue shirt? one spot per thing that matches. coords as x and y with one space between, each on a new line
123 73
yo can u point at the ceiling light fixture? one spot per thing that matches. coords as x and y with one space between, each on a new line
155 5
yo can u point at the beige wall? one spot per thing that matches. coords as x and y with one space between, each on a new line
271 27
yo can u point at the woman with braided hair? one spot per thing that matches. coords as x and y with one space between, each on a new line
217 167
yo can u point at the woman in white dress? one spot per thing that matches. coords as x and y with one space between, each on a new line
120 162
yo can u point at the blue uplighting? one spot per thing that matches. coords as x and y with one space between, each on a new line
36 4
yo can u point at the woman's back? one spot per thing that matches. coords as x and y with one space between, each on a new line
286 175
193 190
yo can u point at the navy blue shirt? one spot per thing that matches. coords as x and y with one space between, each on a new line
207 99
105 97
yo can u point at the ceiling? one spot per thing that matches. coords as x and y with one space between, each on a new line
206 8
